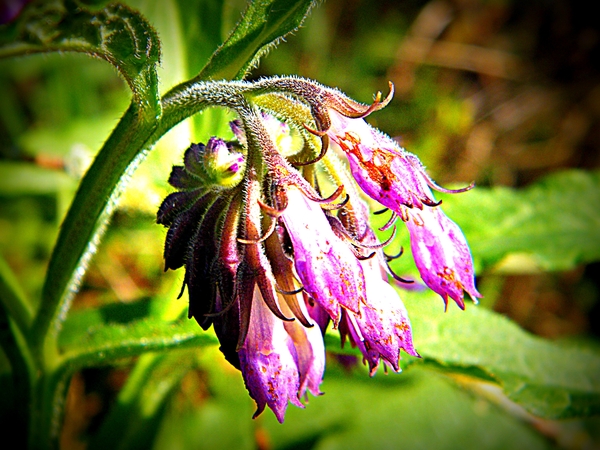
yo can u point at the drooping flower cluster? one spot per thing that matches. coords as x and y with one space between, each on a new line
270 262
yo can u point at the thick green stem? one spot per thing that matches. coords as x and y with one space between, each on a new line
86 220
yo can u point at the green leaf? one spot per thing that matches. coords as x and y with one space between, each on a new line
263 24
550 225
108 337
554 222
549 379
417 409
116 33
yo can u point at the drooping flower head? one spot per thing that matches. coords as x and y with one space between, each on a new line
271 261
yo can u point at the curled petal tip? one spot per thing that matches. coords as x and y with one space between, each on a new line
324 147
319 133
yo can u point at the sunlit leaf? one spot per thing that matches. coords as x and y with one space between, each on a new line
549 379
112 333
263 24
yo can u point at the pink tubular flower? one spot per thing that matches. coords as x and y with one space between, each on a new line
280 360
397 180
382 328
326 266
382 169
442 255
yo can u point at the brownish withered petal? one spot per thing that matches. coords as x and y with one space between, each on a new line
337 226
244 292
180 178
227 329
228 254
391 221
253 254
353 109
283 272
262 238
354 218
310 194
203 251
324 146
395 256
175 204
182 231
336 206
306 157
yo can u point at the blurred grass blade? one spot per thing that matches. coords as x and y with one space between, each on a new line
13 298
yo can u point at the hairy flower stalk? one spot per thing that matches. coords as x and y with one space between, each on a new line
270 260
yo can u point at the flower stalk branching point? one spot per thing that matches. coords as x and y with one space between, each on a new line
273 255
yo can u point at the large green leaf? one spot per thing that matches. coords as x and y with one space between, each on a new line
556 221
116 33
417 409
549 379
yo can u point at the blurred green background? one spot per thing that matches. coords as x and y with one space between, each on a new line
500 92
